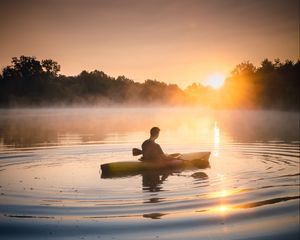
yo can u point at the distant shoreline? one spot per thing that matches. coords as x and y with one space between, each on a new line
33 83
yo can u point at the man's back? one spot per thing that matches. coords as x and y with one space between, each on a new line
152 151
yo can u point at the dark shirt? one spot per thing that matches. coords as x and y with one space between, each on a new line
152 151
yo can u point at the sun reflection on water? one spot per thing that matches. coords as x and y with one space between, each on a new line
225 193
223 208
216 140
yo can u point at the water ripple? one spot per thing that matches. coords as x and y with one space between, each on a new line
246 182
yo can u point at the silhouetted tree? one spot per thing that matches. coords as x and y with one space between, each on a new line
51 67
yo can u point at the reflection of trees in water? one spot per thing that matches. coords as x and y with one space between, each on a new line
27 140
253 126
26 133
26 128
33 131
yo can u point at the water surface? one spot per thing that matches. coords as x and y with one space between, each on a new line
51 185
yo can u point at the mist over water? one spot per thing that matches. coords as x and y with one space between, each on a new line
51 185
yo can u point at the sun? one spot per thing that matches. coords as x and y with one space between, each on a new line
215 80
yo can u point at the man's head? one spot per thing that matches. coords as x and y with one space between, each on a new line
154 132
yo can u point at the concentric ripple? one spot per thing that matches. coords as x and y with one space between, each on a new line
246 183
251 191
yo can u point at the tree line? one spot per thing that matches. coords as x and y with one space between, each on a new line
271 85
28 81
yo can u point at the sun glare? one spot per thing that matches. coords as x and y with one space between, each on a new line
215 80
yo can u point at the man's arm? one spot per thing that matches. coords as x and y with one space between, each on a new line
160 152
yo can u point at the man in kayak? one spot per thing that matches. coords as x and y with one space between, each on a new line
151 150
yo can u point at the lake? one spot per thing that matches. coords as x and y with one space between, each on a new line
51 185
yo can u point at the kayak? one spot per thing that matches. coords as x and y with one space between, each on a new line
196 160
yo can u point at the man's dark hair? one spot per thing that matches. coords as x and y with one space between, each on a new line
154 131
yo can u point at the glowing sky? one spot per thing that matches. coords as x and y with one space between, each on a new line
175 41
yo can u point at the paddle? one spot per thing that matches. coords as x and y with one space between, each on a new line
175 155
136 152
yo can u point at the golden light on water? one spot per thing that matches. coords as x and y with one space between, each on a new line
225 193
216 140
223 208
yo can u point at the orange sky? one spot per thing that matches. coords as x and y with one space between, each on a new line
175 41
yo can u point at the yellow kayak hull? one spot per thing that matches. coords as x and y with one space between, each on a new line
196 160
